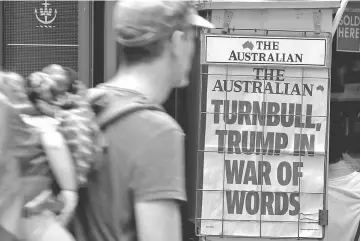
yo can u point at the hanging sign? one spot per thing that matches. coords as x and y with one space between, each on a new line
230 49
348 32
263 146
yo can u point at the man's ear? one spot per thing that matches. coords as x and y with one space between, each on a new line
176 43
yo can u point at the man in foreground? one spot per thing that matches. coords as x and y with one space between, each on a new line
135 194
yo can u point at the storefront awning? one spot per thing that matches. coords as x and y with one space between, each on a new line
265 4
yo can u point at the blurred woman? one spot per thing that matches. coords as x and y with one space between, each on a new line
11 196
58 113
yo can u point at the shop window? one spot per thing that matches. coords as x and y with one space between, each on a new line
98 15
345 79
346 56
39 33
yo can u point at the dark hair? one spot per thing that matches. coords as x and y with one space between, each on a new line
337 140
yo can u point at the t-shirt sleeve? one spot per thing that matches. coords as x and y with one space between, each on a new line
158 171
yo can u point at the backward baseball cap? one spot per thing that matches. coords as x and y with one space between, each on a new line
141 22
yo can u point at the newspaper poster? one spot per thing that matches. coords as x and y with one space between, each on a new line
263 150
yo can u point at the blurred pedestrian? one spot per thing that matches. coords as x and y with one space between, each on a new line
11 198
33 154
137 192
63 125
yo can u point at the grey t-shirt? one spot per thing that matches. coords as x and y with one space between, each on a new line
144 161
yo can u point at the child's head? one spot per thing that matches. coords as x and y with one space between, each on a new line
54 80
40 87
59 75
54 88
64 77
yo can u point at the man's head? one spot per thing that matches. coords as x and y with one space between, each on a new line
150 30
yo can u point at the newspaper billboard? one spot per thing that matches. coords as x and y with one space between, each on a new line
263 147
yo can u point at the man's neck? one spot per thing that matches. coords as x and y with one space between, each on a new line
149 79
339 169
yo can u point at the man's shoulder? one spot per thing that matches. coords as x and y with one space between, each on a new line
148 122
143 130
153 118
119 103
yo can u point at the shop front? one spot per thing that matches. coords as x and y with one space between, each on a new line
38 33
264 57
240 193
256 113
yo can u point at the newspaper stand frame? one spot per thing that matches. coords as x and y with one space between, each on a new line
201 125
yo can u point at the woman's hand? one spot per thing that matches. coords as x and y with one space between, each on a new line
70 200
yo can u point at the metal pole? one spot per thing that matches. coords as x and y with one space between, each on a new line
2 28
339 14
110 45
85 43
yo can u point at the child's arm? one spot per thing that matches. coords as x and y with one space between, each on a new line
63 168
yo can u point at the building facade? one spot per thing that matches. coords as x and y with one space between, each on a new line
79 35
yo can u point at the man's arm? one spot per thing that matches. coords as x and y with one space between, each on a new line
158 220
159 184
